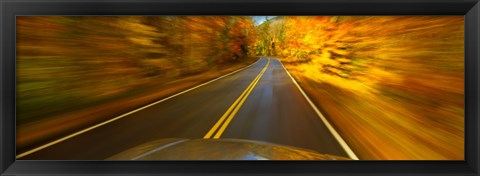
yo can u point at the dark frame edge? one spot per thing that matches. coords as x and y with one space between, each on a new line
8 165
241 7
7 131
472 43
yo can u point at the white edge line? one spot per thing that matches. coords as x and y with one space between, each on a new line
159 148
332 130
124 115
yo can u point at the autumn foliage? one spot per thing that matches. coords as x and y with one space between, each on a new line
69 62
392 85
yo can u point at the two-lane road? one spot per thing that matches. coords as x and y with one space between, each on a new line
260 102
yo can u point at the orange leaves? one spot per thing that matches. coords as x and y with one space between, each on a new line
398 77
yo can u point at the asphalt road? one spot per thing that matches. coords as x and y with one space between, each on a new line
260 102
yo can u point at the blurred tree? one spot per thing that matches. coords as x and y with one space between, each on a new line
85 59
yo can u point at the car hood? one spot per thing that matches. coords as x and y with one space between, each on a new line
218 149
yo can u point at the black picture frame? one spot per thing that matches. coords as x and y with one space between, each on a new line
11 8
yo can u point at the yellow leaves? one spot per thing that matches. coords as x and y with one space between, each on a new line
324 59
313 72
141 41
385 77
376 42
134 25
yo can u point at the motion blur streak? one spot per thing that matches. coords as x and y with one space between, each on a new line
393 86
66 65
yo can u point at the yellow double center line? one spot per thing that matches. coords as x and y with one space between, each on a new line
223 122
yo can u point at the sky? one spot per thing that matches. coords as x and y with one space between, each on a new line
260 19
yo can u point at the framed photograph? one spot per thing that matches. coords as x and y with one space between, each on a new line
188 87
